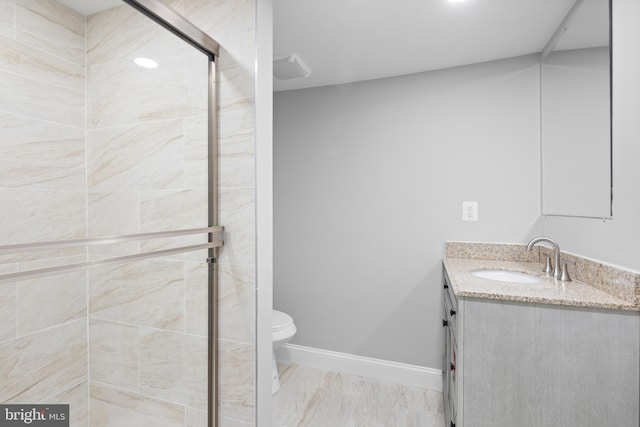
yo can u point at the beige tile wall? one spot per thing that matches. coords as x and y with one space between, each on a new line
232 24
40 365
143 160
147 167
43 322
115 407
7 27
54 27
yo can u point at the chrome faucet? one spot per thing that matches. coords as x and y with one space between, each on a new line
556 269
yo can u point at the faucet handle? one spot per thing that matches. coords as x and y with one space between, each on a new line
564 276
548 267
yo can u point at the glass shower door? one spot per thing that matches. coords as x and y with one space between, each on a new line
105 221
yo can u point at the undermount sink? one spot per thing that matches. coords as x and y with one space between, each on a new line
507 276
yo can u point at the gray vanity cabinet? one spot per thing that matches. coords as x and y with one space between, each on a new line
521 364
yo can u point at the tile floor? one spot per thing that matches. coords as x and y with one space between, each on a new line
320 398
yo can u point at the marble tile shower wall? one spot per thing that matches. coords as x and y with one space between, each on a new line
135 163
43 322
232 24
146 171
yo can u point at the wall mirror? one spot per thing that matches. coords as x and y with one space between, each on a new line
576 114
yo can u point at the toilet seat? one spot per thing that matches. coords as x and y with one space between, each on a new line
280 321
282 327
282 330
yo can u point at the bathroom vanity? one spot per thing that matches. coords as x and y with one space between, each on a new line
538 354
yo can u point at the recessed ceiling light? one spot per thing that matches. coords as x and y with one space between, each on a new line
146 62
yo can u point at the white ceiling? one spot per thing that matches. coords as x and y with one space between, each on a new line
351 40
590 27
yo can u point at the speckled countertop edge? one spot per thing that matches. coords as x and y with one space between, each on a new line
549 291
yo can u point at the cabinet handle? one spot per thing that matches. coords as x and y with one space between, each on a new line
453 367
452 424
452 312
444 323
446 286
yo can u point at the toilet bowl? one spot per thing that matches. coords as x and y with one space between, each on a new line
282 330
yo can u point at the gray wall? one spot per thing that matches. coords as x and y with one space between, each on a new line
369 180
616 241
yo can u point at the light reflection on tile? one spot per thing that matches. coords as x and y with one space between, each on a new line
185 95
117 33
316 397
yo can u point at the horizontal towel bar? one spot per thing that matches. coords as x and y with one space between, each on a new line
31 274
39 246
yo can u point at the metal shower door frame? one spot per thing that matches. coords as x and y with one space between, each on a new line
181 27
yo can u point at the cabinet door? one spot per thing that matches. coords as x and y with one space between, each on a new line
545 366
449 368
446 372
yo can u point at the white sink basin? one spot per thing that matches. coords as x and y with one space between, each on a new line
507 276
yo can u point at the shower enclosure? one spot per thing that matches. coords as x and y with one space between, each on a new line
108 214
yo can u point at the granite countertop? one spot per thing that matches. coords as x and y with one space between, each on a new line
549 291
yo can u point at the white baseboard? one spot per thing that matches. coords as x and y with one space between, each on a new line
384 370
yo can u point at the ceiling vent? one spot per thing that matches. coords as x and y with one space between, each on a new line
289 66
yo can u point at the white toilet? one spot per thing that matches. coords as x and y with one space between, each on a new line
282 330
